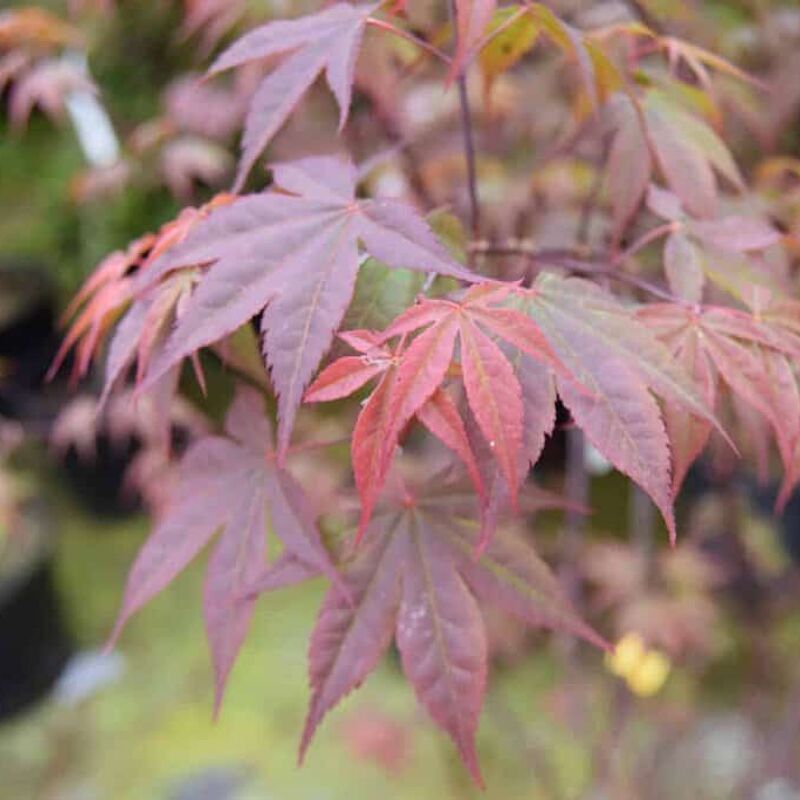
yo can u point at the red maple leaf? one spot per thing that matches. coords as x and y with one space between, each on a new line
412 376
605 365
416 579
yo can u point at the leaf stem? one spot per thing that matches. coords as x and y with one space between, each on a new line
643 241
409 37
469 140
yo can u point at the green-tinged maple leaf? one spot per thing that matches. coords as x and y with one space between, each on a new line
515 30
230 483
660 132
380 295
716 248
416 579
620 364
514 33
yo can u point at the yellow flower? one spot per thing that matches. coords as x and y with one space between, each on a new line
644 670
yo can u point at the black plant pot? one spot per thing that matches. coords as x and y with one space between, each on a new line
98 482
788 521
28 341
34 642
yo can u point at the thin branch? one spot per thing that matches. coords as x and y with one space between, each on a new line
643 241
469 142
575 261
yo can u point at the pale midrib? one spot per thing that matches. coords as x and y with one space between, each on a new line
322 280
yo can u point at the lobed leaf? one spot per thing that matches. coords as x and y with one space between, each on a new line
227 483
414 577
328 41
295 258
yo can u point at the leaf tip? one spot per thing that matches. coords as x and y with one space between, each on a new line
309 729
469 756
673 536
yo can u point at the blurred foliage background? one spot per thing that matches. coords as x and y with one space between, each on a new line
703 698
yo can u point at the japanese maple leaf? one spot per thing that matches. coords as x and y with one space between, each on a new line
373 446
693 244
327 41
292 254
227 483
412 377
416 579
630 163
686 150
619 364
753 359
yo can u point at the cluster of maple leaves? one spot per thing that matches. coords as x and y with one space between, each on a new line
479 368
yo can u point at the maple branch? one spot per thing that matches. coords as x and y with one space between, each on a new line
469 141
574 261
639 10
